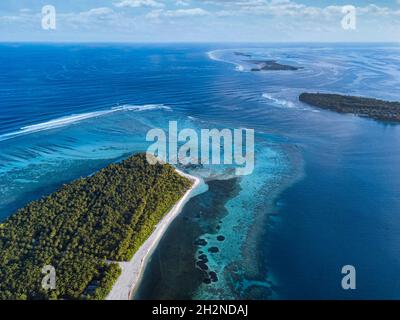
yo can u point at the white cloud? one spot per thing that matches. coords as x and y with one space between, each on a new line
186 12
97 19
179 13
88 16
155 14
375 10
291 8
224 20
98 11
139 3
182 3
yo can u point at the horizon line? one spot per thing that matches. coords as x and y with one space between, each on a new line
194 42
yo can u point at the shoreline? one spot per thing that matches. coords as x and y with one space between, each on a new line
132 270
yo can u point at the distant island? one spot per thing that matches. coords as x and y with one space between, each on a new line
84 228
361 106
271 65
242 54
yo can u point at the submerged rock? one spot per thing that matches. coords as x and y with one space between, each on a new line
213 276
203 257
202 265
213 250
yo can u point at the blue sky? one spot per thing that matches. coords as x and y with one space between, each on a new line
200 20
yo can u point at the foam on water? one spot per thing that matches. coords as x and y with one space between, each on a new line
216 56
281 102
68 120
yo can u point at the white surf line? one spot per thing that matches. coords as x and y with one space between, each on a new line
133 269
71 119
211 55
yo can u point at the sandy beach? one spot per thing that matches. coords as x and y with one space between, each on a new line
132 270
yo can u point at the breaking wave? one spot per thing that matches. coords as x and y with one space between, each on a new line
281 102
213 55
65 121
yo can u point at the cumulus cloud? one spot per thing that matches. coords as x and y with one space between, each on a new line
375 10
179 13
97 11
183 3
91 15
139 3
221 19
98 20
291 8
186 12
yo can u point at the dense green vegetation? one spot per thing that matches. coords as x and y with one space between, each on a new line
271 65
103 286
104 217
372 108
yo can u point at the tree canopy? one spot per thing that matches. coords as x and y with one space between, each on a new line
83 226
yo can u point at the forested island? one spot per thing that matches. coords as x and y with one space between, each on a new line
365 107
271 65
84 228
237 53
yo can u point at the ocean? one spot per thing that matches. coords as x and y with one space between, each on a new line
325 191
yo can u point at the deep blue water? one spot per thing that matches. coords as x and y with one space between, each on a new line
325 191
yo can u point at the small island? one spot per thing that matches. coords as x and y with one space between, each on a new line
360 106
271 65
85 228
242 54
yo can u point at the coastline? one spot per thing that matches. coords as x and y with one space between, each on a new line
132 270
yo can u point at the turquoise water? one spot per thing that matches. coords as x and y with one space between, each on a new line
324 192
